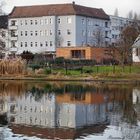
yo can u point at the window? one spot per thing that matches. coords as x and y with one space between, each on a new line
51 21
25 44
106 24
46 43
25 33
68 43
21 44
41 22
51 43
46 32
83 21
50 32
88 22
35 44
83 33
69 20
59 32
13 33
21 33
59 43
13 44
13 22
106 34
31 22
3 34
137 52
68 31
35 22
59 20
31 32
25 22
46 21
41 33
21 23
41 44
31 44
78 53
89 33
35 33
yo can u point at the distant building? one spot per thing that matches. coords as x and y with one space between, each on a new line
43 28
117 24
3 35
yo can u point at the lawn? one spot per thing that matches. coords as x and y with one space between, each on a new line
97 70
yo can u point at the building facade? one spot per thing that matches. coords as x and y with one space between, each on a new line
58 25
47 29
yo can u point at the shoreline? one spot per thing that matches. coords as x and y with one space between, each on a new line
69 79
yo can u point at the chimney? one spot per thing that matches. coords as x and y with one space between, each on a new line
73 2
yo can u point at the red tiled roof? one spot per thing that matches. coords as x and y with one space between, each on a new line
58 10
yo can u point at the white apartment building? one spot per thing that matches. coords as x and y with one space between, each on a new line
33 112
42 28
117 24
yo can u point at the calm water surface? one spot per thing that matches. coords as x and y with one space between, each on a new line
56 111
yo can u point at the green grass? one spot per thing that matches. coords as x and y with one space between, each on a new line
90 70
118 69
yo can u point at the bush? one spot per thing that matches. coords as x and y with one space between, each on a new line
47 71
59 60
35 66
88 71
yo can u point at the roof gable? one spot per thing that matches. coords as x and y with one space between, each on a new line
137 42
58 10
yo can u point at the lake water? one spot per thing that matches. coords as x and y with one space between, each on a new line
71 111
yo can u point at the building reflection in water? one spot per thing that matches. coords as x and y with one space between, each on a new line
65 111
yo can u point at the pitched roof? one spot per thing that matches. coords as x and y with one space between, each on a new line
58 10
4 21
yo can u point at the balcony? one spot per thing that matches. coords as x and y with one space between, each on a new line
13 27
14 38
13 49
107 39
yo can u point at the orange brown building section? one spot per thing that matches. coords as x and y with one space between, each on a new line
91 98
89 53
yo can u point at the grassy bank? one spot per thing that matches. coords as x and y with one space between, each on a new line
88 73
96 70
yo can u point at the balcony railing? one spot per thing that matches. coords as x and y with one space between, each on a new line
13 27
13 49
14 38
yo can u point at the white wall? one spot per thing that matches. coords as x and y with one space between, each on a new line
134 57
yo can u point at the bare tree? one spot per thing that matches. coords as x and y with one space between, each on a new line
135 16
130 14
116 13
99 37
124 46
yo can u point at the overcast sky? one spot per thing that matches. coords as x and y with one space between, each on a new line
109 6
